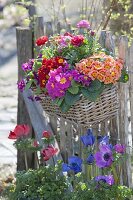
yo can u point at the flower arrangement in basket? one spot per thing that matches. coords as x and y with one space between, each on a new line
74 76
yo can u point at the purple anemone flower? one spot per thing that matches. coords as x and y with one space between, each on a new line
106 179
120 148
88 138
104 140
74 164
90 159
83 24
104 157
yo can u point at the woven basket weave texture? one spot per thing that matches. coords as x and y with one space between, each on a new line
84 112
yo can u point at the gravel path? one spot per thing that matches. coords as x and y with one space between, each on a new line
8 109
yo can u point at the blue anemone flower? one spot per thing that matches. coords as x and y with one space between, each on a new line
88 138
103 139
74 164
90 159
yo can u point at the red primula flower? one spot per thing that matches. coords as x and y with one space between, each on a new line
47 66
41 41
77 40
46 134
19 131
48 152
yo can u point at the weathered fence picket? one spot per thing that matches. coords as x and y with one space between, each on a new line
68 134
24 51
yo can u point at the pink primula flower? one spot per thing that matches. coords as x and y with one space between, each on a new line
83 24
49 152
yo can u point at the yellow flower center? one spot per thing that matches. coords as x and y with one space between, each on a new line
52 85
60 60
85 77
113 73
94 74
47 77
63 80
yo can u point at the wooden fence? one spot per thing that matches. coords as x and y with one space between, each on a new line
120 128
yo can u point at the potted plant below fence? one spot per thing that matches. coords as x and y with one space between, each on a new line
69 181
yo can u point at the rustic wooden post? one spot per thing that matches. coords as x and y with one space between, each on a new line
58 27
49 29
123 112
110 125
24 52
130 68
38 31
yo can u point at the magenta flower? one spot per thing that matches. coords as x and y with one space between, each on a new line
81 78
58 83
63 81
28 65
106 179
77 40
83 24
104 157
53 90
120 148
65 40
92 33
21 85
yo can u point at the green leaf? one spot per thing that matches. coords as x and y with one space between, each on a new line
92 96
73 90
124 76
37 65
28 85
55 101
60 102
71 99
64 107
37 91
75 84
95 85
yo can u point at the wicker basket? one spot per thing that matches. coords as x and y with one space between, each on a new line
84 112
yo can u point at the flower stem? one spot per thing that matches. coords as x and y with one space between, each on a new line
37 160
25 160
115 174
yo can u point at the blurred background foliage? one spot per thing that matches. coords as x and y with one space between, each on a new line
114 15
